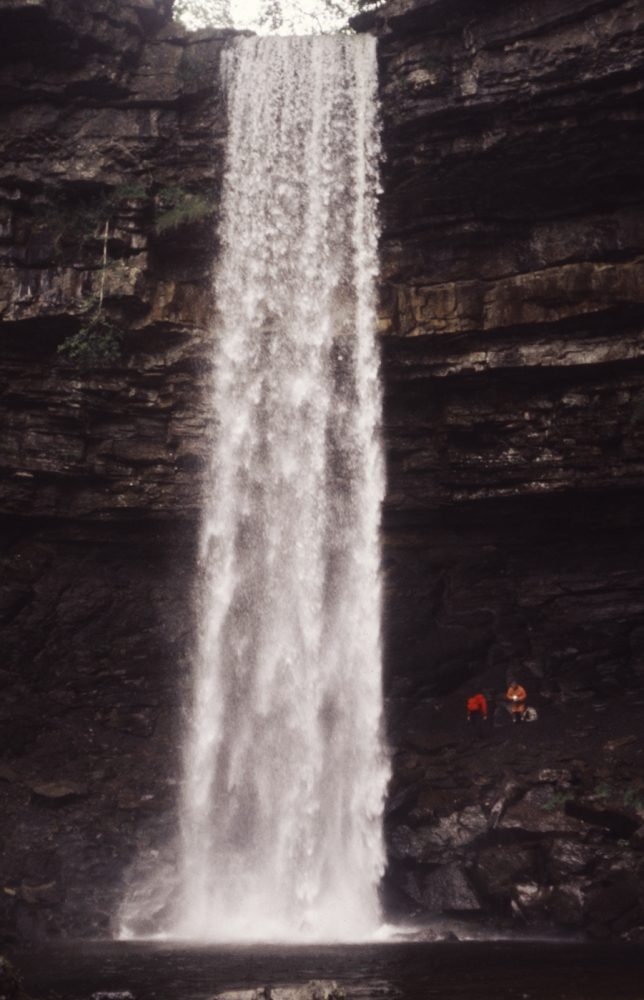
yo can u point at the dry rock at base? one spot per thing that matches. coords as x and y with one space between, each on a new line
316 990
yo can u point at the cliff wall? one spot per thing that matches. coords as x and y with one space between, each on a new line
513 350
111 164
512 307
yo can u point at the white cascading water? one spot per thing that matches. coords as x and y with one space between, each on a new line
285 770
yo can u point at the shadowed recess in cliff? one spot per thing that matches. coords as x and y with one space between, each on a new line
284 768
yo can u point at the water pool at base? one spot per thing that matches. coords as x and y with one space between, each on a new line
499 970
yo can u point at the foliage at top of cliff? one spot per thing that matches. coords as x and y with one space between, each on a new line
286 17
177 207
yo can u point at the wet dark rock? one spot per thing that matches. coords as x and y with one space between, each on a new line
637 840
48 894
568 902
621 822
499 868
569 857
446 835
445 890
614 901
539 812
530 900
11 987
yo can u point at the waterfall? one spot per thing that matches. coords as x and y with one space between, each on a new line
284 767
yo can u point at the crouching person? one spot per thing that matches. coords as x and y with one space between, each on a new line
516 696
476 707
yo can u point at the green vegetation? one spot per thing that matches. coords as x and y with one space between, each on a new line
203 13
273 15
98 341
603 791
79 225
557 801
180 207
433 63
77 220
634 798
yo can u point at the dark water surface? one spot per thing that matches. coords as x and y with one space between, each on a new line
501 970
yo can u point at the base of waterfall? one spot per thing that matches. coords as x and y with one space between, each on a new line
261 936
439 931
166 915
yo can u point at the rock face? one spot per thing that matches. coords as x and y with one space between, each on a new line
115 127
524 823
513 301
111 162
512 326
513 368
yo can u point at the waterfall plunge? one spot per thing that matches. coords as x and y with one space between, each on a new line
284 768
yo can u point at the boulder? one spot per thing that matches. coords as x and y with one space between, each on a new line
530 900
499 868
445 890
447 834
539 812
568 902
609 815
613 901
566 857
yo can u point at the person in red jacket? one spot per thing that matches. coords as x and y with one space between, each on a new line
516 696
476 707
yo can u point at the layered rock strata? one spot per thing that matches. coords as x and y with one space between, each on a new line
513 308
113 124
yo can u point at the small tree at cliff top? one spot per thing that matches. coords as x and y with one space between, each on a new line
203 13
271 16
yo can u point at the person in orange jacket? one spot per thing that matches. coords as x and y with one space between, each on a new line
476 707
516 695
